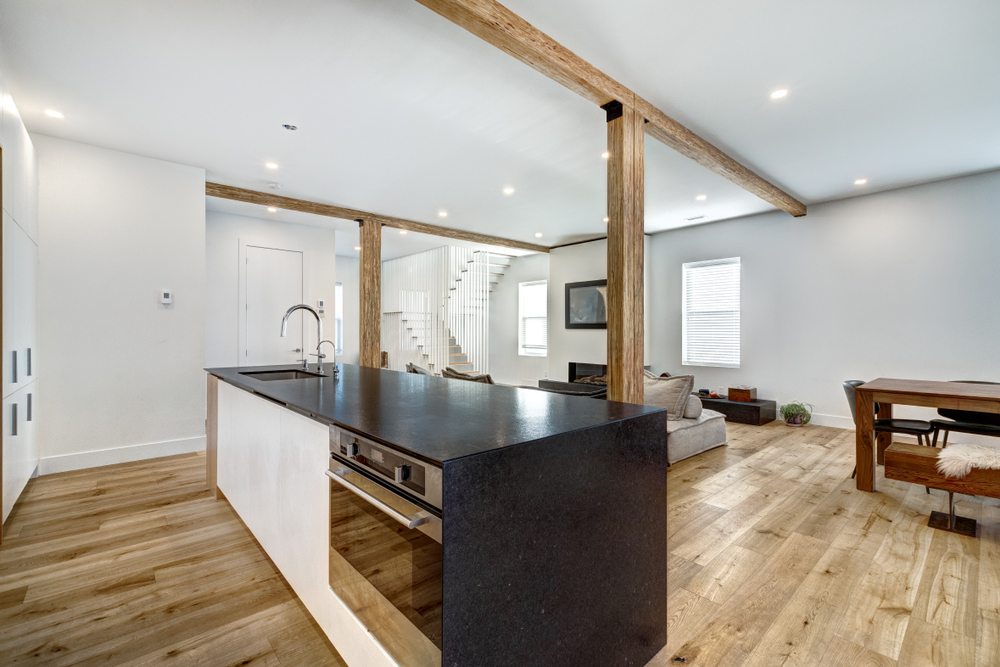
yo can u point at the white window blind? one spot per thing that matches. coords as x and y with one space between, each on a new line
338 313
711 317
533 311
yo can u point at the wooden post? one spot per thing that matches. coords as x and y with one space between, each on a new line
625 252
371 293
212 436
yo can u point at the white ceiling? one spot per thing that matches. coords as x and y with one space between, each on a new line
404 114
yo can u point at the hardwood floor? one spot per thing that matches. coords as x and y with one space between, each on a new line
135 564
773 559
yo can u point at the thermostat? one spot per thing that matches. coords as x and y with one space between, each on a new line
166 296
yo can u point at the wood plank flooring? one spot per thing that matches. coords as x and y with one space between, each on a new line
774 558
136 565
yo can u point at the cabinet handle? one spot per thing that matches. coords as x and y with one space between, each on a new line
28 363
13 418
14 366
28 416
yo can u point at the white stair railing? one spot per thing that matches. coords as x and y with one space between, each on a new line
430 297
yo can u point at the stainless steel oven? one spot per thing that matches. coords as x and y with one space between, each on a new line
385 543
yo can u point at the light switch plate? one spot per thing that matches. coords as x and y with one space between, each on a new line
166 296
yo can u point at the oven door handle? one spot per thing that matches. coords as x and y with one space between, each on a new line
411 521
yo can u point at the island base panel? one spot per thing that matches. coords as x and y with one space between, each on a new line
555 552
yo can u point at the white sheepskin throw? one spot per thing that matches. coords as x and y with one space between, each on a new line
959 460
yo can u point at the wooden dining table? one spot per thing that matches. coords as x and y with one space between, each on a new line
887 392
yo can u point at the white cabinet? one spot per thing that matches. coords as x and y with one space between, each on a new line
14 181
19 361
20 168
20 326
30 166
303 551
271 466
248 449
20 443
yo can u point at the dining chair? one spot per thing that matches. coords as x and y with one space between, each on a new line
966 421
922 429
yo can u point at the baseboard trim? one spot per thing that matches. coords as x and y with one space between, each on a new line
831 420
104 457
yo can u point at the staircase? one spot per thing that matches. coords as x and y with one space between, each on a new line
436 308
495 266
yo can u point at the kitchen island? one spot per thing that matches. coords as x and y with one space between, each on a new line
544 545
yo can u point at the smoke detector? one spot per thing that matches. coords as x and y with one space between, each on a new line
274 186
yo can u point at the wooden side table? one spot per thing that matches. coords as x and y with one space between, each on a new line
752 412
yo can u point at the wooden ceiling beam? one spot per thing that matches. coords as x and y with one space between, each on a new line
330 211
494 23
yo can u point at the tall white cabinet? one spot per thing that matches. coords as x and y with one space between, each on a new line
20 362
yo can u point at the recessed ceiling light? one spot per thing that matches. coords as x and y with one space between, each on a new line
701 197
357 247
508 191
607 219
289 127
778 94
271 209
538 235
271 165
605 155
54 113
861 181
402 231
443 214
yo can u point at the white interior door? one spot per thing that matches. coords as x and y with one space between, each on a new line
273 285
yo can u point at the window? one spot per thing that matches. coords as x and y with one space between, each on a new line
533 317
711 317
338 313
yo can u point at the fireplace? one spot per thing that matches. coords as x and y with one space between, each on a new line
578 370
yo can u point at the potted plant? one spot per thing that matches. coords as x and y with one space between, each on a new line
796 414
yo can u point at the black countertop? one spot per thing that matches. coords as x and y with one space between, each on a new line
433 418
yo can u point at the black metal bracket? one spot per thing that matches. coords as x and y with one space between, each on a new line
614 110
361 223
951 522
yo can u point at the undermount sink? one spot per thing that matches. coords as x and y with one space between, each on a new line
281 375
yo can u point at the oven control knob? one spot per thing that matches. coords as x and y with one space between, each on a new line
402 473
352 450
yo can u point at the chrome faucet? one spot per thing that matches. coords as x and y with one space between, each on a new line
319 336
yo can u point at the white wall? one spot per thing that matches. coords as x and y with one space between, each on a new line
349 275
226 237
124 372
573 264
507 366
898 284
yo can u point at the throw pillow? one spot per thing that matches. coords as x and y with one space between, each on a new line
693 407
670 393
452 374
